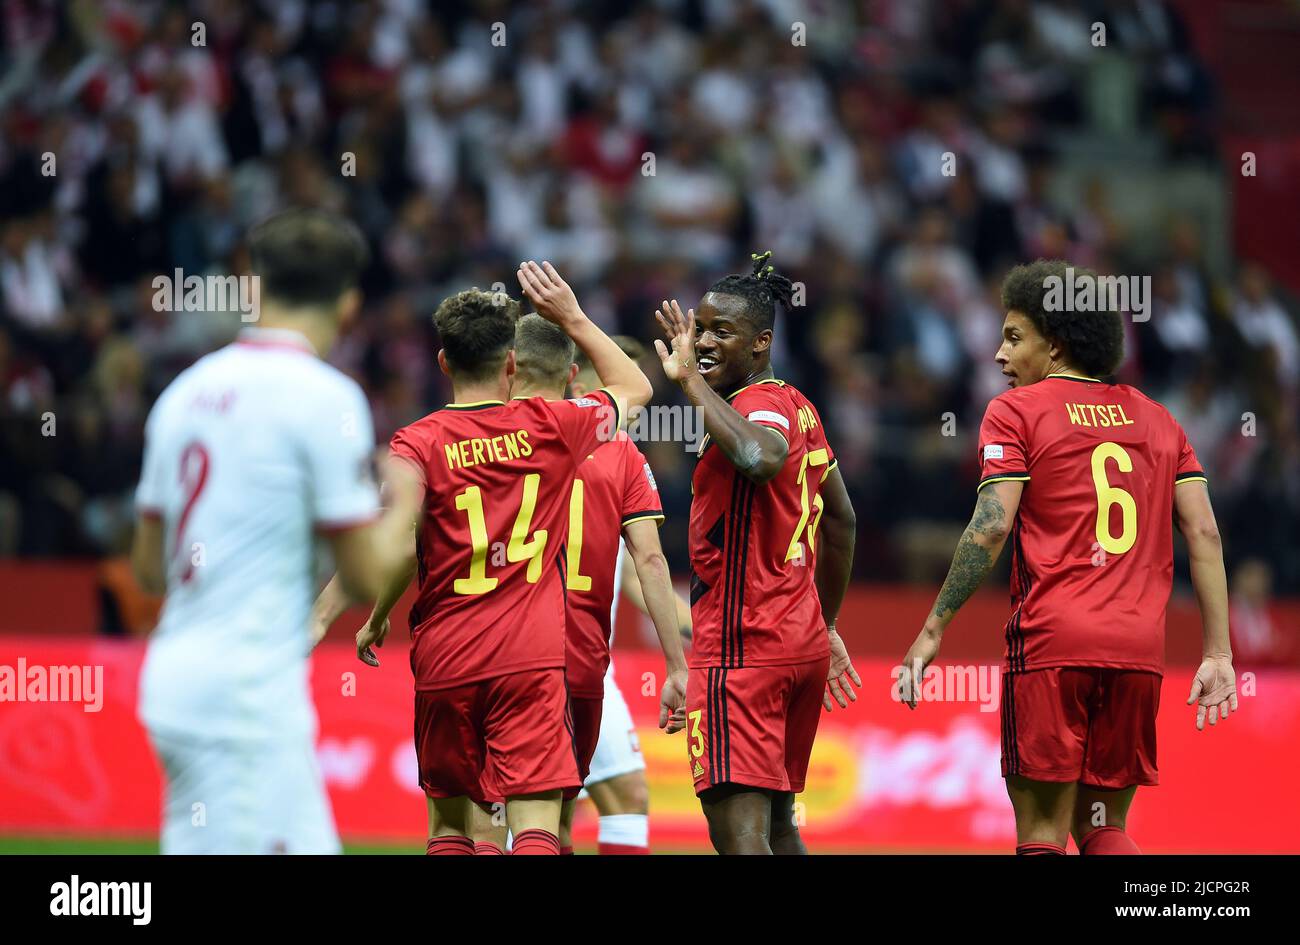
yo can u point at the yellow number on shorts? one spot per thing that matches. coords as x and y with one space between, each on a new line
518 548
471 501
576 580
697 737
810 458
1108 495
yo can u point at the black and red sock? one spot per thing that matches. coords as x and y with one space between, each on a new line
1039 848
449 846
536 842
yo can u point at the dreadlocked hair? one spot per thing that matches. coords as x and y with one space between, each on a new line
761 290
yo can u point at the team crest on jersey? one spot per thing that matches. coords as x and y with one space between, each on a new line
650 477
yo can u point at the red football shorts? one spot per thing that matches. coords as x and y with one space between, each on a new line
1087 724
511 732
753 726
585 714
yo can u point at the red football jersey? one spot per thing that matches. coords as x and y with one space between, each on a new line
753 598
614 487
1092 547
490 561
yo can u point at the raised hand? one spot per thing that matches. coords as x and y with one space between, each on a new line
679 359
550 295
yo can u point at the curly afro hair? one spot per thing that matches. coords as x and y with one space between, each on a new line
1093 341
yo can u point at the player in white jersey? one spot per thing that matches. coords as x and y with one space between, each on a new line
248 454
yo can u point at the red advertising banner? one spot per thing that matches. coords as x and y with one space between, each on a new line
883 778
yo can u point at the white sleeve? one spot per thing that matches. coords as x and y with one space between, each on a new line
149 495
340 442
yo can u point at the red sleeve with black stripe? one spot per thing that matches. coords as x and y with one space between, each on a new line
1189 467
1002 444
640 491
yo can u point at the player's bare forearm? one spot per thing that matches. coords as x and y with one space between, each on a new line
1210 583
977 551
618 373
836 538
330 605
657 591
834 566
147 556
392 593
758 452
1195 518
395 534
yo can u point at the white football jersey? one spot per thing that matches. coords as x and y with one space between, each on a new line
248 453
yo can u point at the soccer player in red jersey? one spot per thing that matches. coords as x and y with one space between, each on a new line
613 494
1083 477
487 626
766 582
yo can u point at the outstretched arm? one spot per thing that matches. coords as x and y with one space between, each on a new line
642 540
1214 689
555 301
977 551
391 542
836 534
631 588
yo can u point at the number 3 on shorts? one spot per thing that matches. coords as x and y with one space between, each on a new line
697 737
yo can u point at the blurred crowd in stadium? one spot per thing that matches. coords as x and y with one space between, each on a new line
646 150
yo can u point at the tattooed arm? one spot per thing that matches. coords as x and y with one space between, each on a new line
977 552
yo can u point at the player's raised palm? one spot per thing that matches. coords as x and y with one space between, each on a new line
551 296
1214 690
678 358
